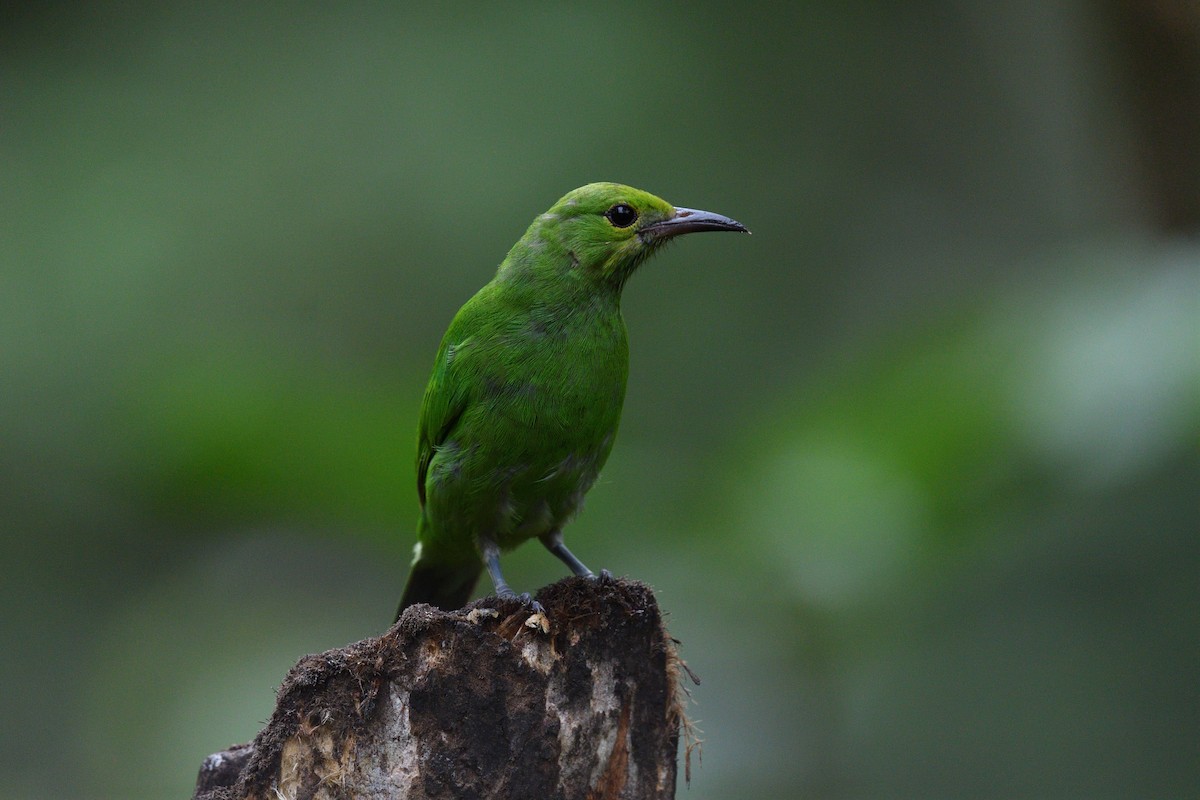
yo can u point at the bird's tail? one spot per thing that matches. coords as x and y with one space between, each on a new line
447 586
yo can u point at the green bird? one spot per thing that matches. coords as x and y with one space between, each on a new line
526 392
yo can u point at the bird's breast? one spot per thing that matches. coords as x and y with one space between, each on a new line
545 402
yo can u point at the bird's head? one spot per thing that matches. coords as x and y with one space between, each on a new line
606 229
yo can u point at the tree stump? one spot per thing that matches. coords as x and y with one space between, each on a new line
478 703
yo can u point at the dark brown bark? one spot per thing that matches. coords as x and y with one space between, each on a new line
479 703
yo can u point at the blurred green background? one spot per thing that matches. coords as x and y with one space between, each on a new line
914 469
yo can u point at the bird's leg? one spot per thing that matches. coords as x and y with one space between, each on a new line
491 559
554 543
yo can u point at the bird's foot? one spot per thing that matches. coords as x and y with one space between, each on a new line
538 618
604 576
527 600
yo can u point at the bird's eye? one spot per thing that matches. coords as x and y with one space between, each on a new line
621 215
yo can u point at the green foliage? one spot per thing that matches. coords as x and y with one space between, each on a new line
231 438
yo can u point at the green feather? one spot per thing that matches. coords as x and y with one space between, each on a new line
525 398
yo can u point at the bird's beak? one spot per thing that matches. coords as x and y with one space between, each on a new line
690 220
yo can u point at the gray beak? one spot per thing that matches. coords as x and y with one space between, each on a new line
690 220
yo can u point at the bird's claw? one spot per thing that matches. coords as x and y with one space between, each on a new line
604 576
538 620
526 599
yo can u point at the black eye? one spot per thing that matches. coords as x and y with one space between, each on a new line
621 215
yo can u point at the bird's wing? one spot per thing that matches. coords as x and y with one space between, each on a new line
447 397
462 363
